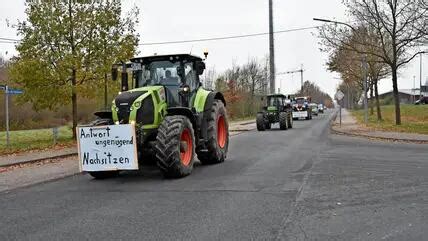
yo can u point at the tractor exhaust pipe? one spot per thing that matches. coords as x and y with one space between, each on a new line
124 83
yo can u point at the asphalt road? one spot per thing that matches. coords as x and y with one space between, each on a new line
300 184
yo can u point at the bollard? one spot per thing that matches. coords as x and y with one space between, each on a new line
55 135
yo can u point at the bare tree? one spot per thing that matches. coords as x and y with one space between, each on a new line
400 25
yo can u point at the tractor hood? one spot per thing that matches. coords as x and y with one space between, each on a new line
137 105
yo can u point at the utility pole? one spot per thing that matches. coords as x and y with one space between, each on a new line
414 91
6 94
420 77
271 51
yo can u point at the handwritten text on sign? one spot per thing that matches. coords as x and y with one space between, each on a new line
107 148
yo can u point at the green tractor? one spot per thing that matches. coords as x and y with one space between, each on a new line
277 110
175 118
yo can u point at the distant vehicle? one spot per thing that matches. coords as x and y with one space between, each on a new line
423 101
276 110
314 108
301 108
321 108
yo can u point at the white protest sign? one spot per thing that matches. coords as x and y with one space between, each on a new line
107 148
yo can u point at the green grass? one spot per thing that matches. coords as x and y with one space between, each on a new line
414 119
34 140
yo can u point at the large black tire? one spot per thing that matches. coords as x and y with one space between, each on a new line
260 122
175 152
283 120
218 135
290 120
103 174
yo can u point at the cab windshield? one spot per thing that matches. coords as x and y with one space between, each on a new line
300 101
275 101
164 73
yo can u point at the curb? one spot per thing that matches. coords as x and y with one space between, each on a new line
247 123
37 160
353 134
378 137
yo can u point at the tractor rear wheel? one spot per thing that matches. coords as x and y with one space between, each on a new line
175 146
218 135
103 174
283 120
260 122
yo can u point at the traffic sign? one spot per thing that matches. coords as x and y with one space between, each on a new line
339 95
14 92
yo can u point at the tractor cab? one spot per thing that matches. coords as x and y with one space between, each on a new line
276 102
178 74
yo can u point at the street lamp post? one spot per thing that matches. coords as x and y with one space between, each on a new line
364 65
420 77
271 50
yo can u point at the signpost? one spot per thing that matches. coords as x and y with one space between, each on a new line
339 96
7 92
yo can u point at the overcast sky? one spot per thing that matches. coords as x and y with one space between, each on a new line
168 20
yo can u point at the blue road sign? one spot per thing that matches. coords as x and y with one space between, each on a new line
14 92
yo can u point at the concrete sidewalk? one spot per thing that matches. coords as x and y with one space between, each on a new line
350 126
36 155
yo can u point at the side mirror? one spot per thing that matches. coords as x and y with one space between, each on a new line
200 67
114 73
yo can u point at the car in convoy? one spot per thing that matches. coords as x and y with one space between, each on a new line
321 108
422 101
314 108
301 109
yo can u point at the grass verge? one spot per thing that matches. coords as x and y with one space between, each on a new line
414 119
35 140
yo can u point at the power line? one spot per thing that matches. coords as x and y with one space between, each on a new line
9 39
229 37
12 41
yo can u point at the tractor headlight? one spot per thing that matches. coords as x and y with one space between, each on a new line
137 104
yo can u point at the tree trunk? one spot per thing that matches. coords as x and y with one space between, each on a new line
396 96
105 92
371 98
379 114
74 101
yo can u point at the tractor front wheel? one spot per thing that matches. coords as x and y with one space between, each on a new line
218 135
260 122
175 147
283 120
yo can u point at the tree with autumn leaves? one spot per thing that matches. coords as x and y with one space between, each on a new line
67 50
